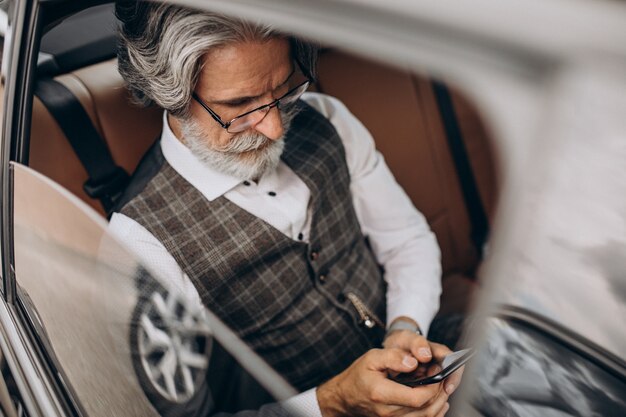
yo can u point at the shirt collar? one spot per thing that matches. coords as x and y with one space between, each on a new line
211 183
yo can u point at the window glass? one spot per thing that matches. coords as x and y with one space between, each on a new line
85 66
523 372
564 255
123 342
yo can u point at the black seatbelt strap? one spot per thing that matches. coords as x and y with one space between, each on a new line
475 208
106 179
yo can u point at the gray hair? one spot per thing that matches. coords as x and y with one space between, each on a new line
161 48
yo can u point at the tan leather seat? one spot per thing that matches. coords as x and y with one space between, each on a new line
397 107
400 111
127 129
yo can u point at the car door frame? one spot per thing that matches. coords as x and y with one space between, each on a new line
38 393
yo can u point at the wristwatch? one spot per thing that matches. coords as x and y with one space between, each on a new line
401 324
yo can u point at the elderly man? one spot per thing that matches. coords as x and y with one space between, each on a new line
257 200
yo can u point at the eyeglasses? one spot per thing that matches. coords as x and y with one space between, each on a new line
255 116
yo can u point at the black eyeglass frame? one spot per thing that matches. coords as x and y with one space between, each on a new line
269 106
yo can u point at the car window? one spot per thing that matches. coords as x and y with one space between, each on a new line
566 256
120 340
417 147
97 310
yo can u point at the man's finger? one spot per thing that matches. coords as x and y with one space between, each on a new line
392 393
412 342
436 405
420 348
439 351
453 381
444 410
390 360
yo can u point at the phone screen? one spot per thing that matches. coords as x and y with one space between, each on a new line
435 371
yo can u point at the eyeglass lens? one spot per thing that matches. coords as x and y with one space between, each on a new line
251 119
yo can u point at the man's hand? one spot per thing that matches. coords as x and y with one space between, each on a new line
364 389
424 351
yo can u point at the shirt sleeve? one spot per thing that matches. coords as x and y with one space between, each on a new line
151 252
398 233
304 404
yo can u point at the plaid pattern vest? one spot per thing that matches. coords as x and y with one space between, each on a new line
299 306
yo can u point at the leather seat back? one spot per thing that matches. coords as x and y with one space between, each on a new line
400 110
127 129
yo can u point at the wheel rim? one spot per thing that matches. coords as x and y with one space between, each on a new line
174 344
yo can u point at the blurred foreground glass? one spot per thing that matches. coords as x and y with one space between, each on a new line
123 342
523 371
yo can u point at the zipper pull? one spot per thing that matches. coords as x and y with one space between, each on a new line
367 319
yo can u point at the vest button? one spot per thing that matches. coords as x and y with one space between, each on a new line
315 255
322 278
341 298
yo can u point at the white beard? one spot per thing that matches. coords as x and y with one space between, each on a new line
248 155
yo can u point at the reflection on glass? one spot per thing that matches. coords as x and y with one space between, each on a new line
125 342
523 373
566 255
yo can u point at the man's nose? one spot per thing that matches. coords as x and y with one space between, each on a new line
272 125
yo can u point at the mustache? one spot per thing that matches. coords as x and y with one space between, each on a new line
247 142
244 142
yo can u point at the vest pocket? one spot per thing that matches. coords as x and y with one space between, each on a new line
367 318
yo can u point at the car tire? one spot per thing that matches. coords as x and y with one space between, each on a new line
170 348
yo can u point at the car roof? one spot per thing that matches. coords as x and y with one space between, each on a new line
80 40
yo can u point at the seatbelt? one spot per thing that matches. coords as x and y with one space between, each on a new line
106 179
478 218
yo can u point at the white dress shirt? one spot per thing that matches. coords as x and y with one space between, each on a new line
398 234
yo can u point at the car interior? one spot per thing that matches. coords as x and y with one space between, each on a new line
432 138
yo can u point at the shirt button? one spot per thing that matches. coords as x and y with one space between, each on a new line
322 278
300 236
272 194
315 255
246 183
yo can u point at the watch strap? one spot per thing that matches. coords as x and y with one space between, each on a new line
404 325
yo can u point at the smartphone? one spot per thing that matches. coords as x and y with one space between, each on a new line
434 371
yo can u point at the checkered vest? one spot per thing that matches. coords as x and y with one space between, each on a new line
299 306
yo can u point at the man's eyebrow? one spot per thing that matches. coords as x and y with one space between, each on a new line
245 99
235 100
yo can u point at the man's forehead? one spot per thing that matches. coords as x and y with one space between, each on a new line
244 69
